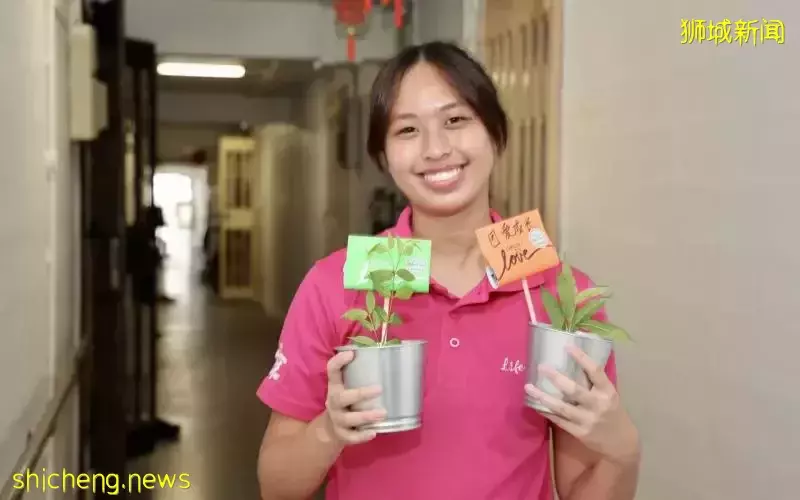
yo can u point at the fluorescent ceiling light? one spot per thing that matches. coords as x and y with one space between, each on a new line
201 70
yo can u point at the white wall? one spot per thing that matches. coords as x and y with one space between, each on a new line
300 158
38 224
458 21
680 191
275 29
286 227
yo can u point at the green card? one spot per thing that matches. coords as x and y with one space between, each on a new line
408 260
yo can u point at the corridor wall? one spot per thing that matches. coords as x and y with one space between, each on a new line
39 296
680 191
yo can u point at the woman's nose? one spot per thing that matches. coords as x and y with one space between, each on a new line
437 144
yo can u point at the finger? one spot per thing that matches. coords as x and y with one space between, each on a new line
355 436
571 389
570 412
349 397
335 365
596 373
355 419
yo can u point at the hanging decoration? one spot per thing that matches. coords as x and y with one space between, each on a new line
351 15
399 12
352 19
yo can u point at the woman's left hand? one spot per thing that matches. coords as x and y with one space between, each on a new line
597 418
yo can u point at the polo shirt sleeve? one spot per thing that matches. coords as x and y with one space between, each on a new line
583 282
296 385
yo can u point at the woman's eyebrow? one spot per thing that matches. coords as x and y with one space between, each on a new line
444 107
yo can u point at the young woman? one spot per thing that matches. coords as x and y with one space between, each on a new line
438 128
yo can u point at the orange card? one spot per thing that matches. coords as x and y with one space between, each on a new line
516 248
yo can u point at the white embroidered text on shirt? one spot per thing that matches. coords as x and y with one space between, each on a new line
280 360
515 367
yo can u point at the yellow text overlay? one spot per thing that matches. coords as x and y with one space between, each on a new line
743 32
111 484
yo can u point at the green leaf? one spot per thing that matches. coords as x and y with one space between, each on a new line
553 310
394 342
408 250
363 341
588 310
406 274
400 246
381 278
404 292
390 243
606 330
567 290
378 248
380 315
355 315
385 290
368 324
370 301
592 293
394 319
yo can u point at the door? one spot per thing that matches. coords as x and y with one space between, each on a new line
141 285
521 45
103 382
236 191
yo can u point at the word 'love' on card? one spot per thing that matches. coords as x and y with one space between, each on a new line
516 248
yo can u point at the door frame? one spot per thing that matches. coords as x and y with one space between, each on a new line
506 20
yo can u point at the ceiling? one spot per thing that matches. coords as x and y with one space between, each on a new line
263 77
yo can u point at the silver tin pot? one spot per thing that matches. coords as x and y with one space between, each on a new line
398 370
548 346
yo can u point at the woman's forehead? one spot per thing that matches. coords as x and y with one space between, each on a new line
424 90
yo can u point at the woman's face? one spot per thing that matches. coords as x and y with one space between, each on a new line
437 149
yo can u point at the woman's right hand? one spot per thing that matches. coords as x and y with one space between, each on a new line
343 421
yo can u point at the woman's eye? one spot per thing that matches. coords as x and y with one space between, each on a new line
405 131
455 120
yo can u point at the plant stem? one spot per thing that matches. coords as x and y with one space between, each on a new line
387 305
387 301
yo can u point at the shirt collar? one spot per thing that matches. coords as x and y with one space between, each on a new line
402 229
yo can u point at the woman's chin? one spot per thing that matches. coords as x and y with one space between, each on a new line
445 205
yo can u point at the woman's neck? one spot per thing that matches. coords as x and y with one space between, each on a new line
452 236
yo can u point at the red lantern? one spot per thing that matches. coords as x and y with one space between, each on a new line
352 14
398 13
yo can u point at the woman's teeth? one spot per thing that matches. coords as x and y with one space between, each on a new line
443 175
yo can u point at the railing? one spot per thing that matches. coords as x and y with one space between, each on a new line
46 426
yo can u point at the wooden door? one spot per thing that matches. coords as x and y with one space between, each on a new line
521 47
236 184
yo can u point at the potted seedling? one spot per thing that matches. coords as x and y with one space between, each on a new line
388 269
571 322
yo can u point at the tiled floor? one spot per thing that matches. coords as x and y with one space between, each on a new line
213 355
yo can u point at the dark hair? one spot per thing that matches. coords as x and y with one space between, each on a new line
466 75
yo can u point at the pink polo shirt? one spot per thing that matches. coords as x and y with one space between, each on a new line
478 441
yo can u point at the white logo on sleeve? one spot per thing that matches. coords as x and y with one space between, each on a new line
280 360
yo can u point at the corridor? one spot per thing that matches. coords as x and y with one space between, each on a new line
213 355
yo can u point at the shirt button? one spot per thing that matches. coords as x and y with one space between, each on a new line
454 342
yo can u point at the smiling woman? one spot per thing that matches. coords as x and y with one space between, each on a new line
437 127
446 112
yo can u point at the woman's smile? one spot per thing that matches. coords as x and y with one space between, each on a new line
444 179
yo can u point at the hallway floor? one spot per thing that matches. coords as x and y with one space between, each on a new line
213 354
